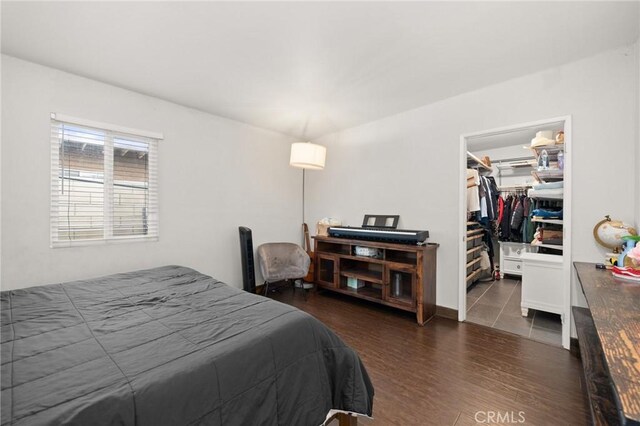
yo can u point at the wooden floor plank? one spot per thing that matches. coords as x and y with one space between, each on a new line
446 372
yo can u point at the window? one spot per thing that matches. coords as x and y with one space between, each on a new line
103 183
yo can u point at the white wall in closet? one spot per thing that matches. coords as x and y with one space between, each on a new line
637 189
409 163
214 175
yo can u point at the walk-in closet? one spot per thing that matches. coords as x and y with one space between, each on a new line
515 231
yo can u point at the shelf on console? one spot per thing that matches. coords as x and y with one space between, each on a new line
366 293
363 274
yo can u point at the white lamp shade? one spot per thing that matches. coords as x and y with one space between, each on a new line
307 155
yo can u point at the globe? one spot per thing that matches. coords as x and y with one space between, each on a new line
609 232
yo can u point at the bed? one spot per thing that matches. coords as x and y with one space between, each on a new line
169 346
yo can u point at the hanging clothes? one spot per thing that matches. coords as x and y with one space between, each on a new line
517 216
482 193
526 220
473 197
505 226
500 209
532 228
487 239
489 194
514 214
494 194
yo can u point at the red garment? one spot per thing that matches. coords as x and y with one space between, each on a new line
500 208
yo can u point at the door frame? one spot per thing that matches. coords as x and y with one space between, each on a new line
567 210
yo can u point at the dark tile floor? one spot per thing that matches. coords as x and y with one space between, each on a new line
496 304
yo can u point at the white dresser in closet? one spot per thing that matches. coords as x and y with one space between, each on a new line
511 257
542 286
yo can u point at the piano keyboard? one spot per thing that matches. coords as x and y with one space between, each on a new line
405 236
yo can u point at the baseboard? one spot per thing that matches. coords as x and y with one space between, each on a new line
449 313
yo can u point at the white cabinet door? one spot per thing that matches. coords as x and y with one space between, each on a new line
542 286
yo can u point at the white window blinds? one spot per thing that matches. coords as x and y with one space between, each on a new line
103 185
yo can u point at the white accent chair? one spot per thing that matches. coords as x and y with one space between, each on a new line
283 262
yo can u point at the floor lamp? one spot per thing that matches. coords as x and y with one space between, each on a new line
307 155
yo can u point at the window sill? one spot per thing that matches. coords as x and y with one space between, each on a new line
110 241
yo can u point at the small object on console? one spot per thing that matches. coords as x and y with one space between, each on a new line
367 252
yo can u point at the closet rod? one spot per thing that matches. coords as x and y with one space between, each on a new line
519 186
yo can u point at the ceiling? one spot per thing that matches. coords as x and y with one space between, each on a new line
308 69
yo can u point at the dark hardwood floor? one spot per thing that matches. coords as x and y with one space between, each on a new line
450 373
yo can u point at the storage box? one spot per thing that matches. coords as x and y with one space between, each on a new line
550 234
323 225
367 252
322 229
354 283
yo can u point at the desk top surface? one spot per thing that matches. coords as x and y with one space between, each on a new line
615 308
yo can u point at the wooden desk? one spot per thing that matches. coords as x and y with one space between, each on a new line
614 310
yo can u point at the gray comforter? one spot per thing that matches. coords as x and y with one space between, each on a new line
169 346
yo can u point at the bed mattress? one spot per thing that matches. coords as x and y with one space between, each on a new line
169 346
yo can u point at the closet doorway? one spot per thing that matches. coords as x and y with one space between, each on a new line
515 230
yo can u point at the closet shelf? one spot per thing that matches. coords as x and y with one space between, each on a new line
474 161
474 237
551 221
547 197
473 262
551 175
471 232
473 275
551 149
473 250
517 164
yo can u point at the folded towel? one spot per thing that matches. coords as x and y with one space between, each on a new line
547 214
626 273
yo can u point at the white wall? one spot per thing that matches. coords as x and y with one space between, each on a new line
637 187
409 163
214 175
1 61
